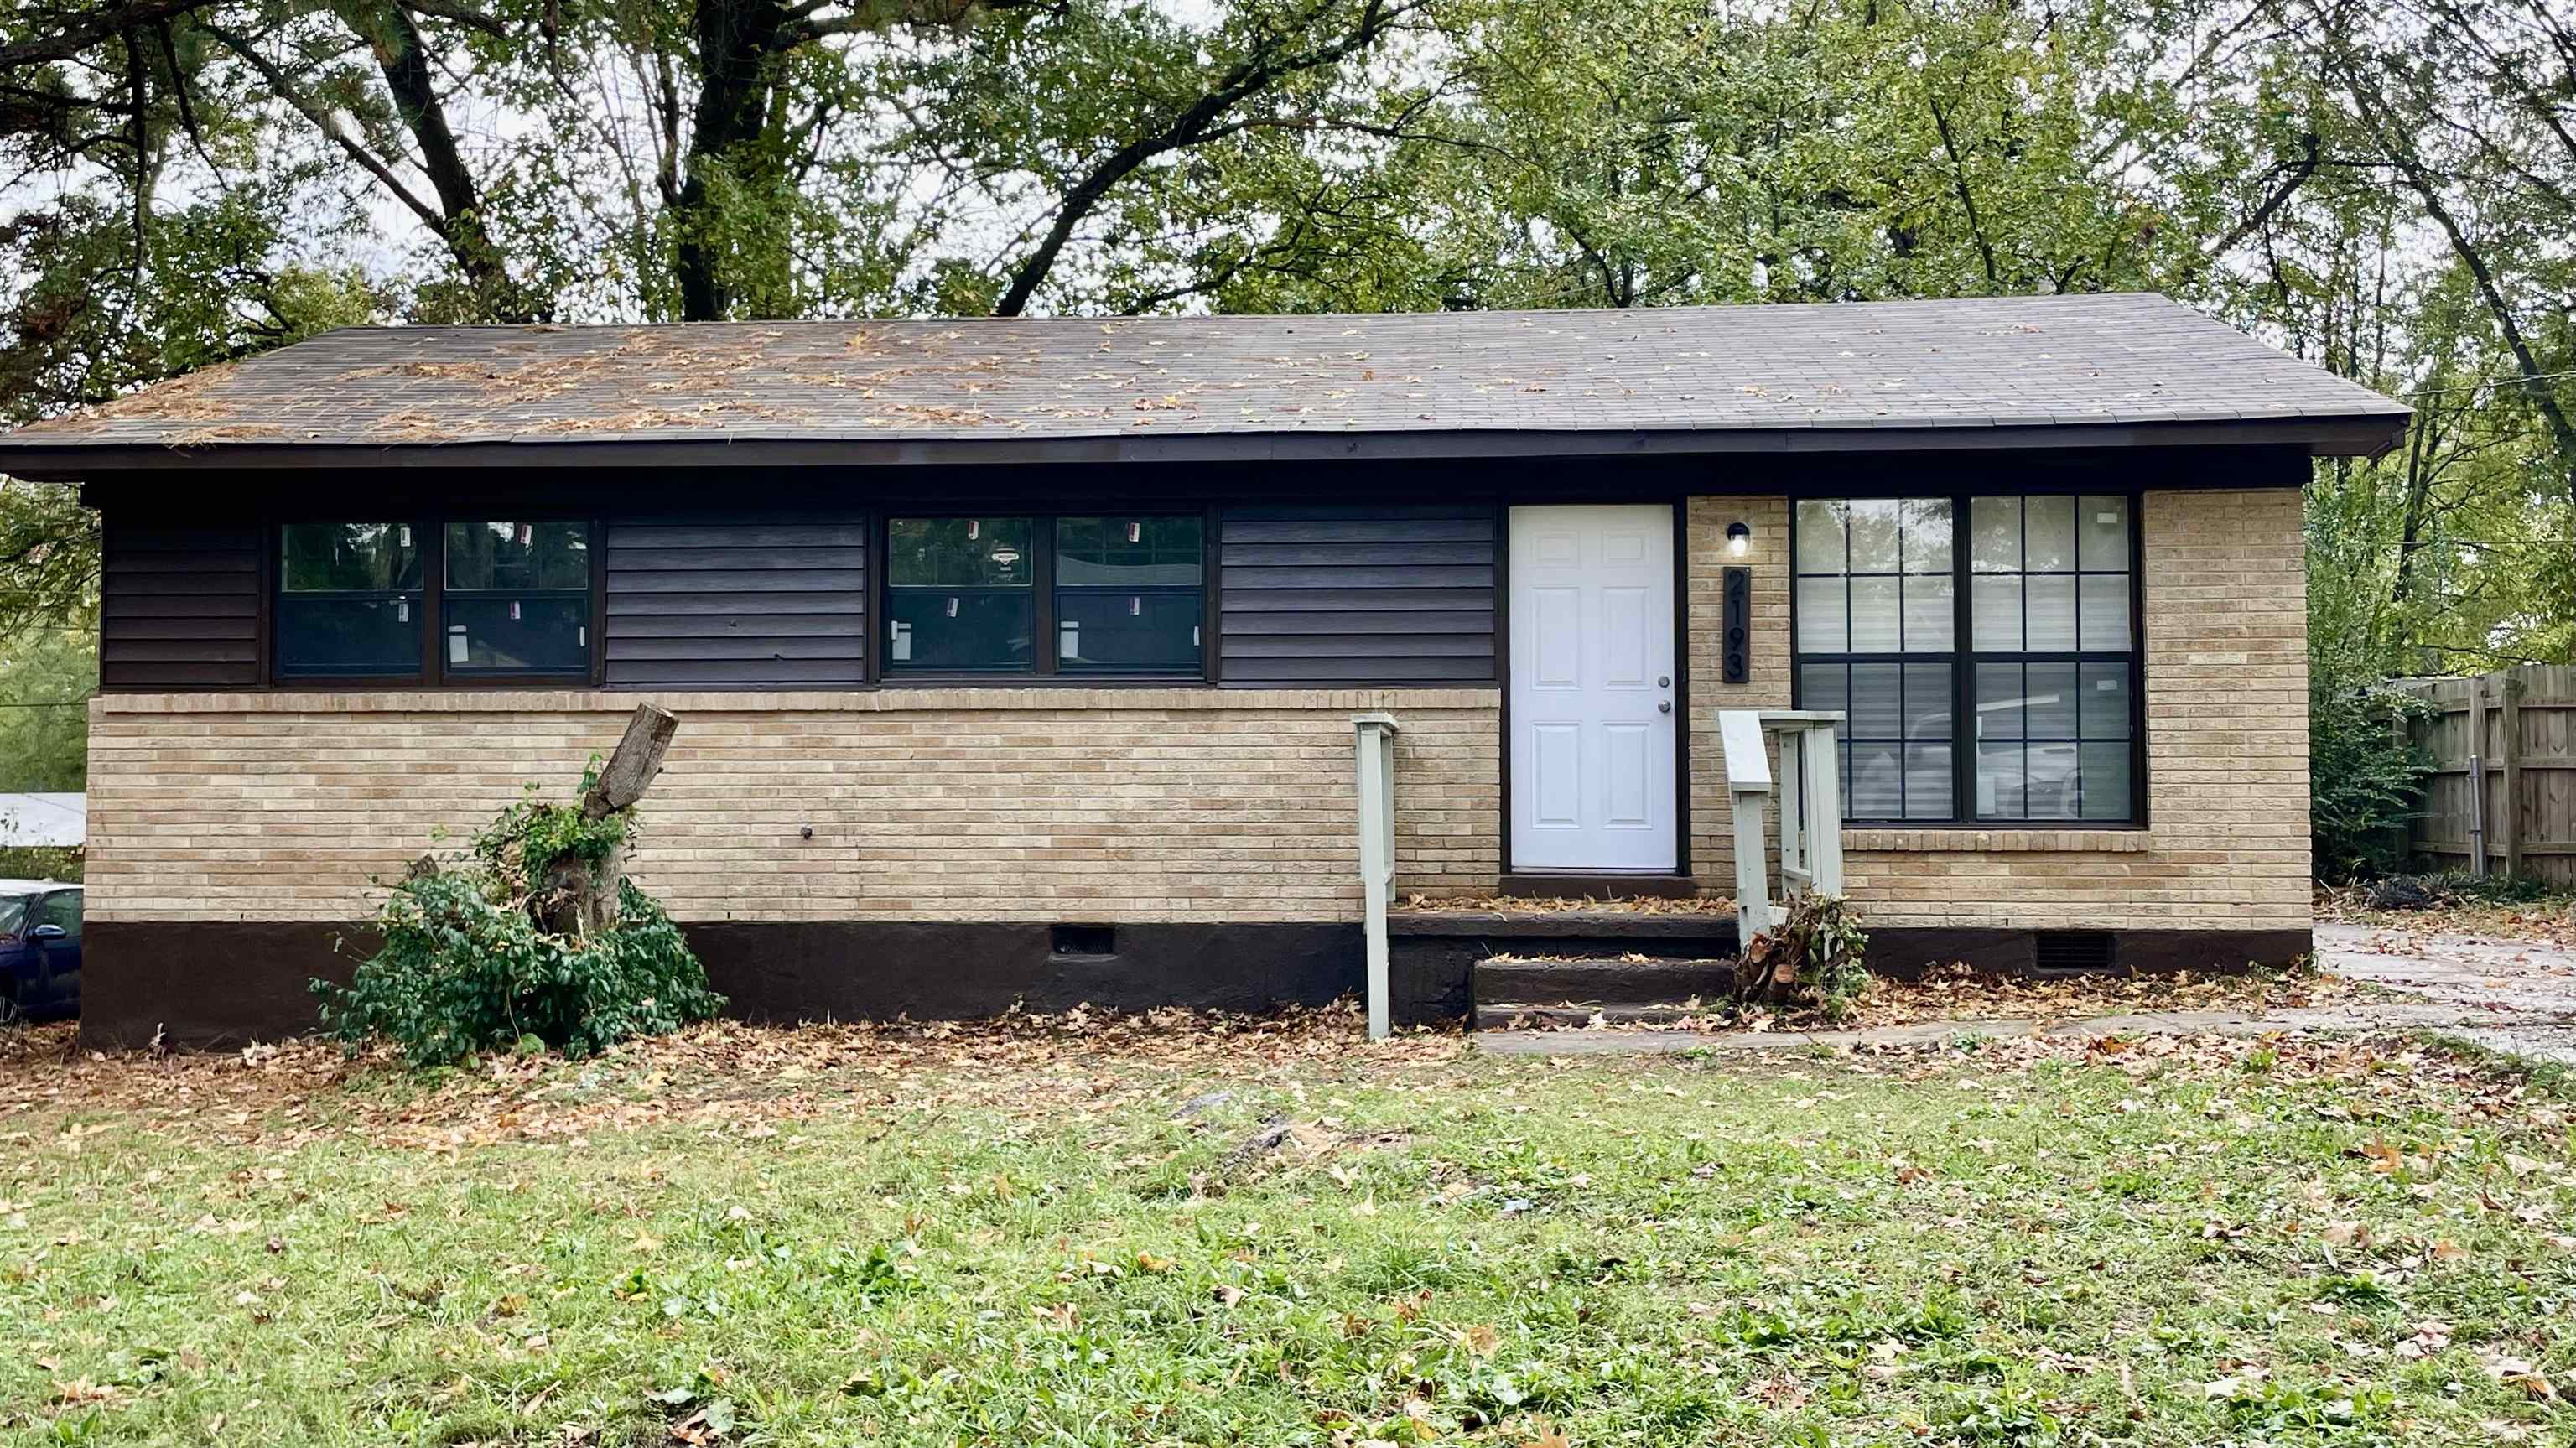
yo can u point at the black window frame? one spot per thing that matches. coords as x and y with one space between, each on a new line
1044 664
434 671
1963 657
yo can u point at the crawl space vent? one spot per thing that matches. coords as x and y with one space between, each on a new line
1085 940
2071 949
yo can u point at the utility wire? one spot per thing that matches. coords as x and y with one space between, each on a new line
2492 383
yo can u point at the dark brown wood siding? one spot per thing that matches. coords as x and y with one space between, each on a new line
179 606
735 604
1357 593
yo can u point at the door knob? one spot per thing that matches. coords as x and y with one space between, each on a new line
1665 707
1663 681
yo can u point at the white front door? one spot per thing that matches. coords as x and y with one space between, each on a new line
1593 700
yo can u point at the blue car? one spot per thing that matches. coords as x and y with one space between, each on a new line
40 948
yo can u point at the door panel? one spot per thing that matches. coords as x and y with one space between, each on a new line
1594 702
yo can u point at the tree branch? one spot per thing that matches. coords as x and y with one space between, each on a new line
85 30
1248 77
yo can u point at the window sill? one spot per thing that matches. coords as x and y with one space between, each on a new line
1926 841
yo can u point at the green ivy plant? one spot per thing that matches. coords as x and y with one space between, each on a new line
529 838
466 966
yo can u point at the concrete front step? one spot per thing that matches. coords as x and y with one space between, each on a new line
1596 980
1674 932
1520 1015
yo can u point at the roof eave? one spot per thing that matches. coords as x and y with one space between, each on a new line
46 460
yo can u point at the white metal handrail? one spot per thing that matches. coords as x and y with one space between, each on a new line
1375 742
1811 806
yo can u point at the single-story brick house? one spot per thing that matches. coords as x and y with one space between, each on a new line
1018 659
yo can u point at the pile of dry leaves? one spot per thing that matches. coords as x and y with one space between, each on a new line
2548 922
721 1074
1527 905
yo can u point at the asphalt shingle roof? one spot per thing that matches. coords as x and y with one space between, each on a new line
1989 363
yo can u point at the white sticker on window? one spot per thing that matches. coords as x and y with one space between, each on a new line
402 610
456 644
1069 639
902 641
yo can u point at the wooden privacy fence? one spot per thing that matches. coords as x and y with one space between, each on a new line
2502 797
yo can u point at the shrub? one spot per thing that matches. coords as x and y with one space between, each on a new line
468 963
2365 779
42 862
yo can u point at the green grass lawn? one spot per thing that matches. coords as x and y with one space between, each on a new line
836 1237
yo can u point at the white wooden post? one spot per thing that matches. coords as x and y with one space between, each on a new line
1821 786
1748 784
1376 764
1793 851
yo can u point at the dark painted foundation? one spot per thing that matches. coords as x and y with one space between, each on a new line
1906 954
221 983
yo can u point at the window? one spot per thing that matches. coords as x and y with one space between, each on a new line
349 600
1876 595
1112 595
509 599
63 908
518 598
2051 633
1994 682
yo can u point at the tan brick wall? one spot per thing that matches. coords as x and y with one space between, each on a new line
2227 743
1712 842
1115 805
1195 804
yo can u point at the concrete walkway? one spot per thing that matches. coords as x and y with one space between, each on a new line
2518 997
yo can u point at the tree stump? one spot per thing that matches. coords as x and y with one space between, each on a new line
578 896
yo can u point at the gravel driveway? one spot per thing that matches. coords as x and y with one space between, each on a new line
2513 995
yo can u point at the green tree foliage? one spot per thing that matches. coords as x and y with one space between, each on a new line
2383 187
46 677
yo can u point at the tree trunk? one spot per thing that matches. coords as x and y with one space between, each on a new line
739 42
578 897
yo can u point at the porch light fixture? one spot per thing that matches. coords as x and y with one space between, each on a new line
1738 539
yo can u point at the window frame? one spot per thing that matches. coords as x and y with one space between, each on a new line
1963 656
1043 667
434 673
45 905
